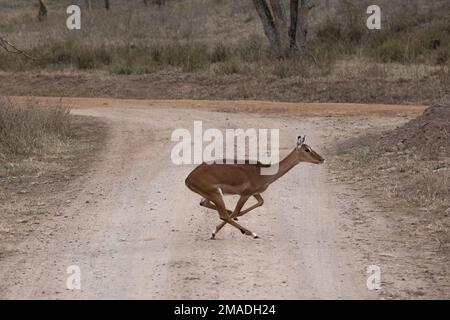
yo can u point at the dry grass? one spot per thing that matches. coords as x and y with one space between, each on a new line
222 43
35 187
408 169
31 129
208 22
31 136
226 36
424 185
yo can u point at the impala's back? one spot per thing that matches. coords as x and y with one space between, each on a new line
229 178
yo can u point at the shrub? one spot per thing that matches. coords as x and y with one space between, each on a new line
392 50
31 128
220 53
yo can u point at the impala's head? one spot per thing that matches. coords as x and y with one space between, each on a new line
305 153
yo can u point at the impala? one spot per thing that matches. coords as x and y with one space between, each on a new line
212 181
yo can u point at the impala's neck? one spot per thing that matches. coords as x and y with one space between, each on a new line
284 166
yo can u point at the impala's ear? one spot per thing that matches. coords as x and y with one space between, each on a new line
300 141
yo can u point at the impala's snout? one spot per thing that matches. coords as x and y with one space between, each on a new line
320 160
317 158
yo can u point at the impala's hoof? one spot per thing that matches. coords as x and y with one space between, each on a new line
255 236
235 219
213 236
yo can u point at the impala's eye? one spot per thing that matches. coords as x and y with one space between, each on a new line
307 150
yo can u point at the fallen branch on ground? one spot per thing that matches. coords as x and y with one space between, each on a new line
11 48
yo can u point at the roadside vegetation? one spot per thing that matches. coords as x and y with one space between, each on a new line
31 129
408 170
405 172
38 140
29 132
43 151
222 39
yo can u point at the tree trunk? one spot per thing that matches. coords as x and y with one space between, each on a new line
274 21
280 23
302 24
294 23
42 15
267 21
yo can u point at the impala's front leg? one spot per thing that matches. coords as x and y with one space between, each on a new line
253 207
217 199
242 200
208 204
241 213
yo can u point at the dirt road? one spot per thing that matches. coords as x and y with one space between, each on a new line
136 231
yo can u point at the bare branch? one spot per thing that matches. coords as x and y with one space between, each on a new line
11 48
42 15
